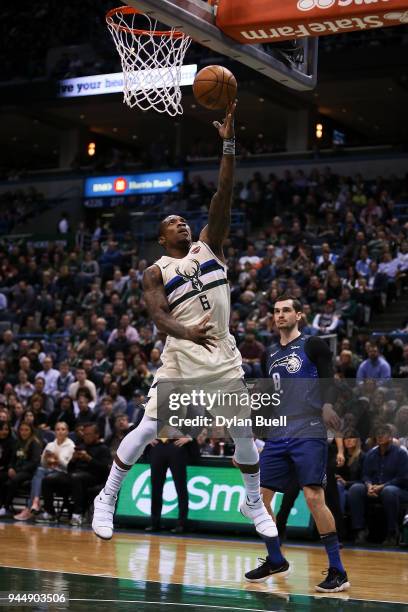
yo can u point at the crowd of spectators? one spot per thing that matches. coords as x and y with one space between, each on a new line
18 205
78 350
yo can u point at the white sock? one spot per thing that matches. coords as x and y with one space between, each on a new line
115 478
129 451
252 484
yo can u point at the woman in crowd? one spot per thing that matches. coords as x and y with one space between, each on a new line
351 471
36 405
7 445
17 415
42 434
104 388
25 459
29 418
55 457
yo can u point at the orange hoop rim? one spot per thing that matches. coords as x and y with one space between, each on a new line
129 10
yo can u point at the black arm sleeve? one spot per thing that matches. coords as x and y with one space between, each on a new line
319 353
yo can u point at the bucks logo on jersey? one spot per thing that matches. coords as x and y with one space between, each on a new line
291 362
187 281
192 274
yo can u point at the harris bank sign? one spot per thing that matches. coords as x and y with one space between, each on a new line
133 184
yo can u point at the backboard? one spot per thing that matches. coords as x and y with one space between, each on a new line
197 18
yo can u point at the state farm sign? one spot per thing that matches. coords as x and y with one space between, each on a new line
266 21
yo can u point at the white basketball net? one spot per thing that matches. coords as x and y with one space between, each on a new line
151 61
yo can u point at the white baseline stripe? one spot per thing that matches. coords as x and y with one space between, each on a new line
170 603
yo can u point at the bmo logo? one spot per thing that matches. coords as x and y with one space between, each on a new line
120 185
308 5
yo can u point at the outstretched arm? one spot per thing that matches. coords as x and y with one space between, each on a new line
219 218
159 310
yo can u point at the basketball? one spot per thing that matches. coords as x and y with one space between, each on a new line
215 87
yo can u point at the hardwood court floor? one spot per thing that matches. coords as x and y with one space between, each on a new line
141 572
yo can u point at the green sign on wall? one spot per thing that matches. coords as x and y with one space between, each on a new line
215 494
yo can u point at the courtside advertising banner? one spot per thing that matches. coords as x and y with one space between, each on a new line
215 495
100 84
261 21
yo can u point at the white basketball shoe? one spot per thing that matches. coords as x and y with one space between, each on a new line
256 511
104 509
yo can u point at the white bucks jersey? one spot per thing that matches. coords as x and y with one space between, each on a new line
197 285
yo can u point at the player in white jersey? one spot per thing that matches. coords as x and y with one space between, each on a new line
188 298
197 293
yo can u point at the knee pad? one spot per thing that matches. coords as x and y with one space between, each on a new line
246 452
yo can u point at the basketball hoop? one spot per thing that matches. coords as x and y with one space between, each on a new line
151 60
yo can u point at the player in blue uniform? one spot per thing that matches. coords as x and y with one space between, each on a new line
301 371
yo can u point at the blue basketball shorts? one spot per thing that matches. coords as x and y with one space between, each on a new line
284 460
